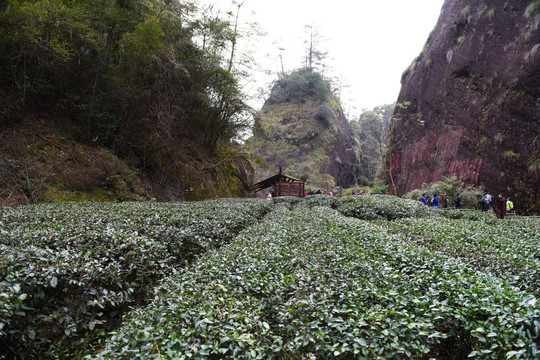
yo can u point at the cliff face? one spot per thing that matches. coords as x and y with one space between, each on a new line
309 137
470 103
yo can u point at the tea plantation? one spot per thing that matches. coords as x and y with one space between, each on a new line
317 278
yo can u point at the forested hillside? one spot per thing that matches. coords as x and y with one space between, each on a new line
146 89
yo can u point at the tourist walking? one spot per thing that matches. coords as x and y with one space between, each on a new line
486 201
434 200
444 201
509 207
457 201
499 207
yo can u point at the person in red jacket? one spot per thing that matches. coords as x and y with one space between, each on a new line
500 206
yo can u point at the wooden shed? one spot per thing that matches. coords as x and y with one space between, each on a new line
283 185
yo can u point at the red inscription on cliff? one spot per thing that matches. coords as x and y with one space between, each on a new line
467 171
432 157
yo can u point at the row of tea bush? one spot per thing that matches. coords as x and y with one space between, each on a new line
66 269
310 282
320 277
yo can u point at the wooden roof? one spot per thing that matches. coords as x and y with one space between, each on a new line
272 181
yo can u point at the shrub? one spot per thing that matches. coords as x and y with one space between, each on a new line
325 113
298 86
308 282
67 269
451 186
385 207
298 278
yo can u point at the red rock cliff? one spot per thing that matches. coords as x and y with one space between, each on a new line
474 95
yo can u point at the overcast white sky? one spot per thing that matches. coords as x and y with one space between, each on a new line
369 43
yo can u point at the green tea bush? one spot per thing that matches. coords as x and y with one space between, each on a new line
289 278
308 282
509 249
289 201
488 217
71 268
385 207
321 200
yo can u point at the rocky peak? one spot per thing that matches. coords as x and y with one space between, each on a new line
302 127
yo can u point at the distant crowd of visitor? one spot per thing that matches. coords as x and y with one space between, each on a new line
501 206
319 192
330 193
271 194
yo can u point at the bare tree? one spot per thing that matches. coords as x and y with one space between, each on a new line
235 33
314 55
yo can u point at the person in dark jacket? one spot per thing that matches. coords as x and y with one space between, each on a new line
457 201
486 201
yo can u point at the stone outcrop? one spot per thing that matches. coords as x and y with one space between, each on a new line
469 106
309 137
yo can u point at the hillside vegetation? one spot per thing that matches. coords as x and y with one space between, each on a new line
146 86
356 277
302 128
